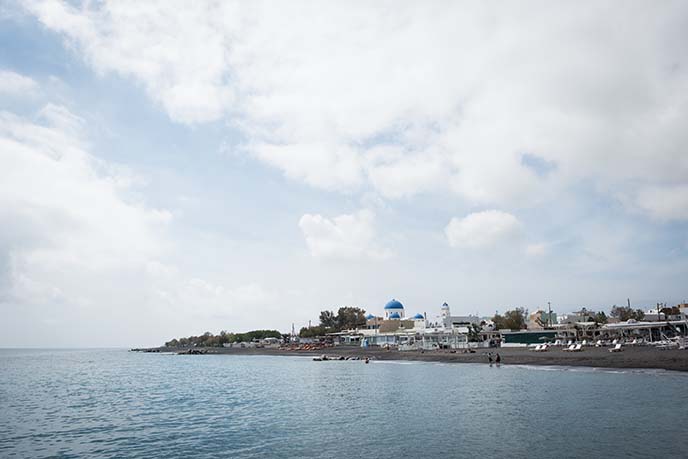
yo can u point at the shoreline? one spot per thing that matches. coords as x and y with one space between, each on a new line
639 357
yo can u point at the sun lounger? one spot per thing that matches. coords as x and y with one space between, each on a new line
570 348
577 348
616 348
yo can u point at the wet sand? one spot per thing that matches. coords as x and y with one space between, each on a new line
631 357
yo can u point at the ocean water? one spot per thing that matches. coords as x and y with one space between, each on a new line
114 403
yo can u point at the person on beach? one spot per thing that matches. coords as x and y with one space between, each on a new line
489 357
498 359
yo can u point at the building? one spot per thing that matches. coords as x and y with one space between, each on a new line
540 319
416 332
394 310
450 322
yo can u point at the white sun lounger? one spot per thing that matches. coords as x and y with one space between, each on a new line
570 348
616 348
577 348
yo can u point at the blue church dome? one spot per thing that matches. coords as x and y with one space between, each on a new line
419 316
369 316
394 315
394 304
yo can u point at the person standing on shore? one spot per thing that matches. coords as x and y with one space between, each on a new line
498 359
489 357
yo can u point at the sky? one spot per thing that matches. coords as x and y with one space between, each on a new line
170 168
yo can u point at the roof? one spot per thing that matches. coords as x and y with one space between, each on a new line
369 316
394 315
394 304
419 316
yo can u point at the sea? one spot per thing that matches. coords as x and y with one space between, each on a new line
115 403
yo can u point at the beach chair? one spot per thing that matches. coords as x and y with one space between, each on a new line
537 348
616 348
598 343
558 342
615 342
585 342
570 348
577 348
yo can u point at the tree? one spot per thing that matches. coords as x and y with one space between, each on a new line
209 340
328 319
600 318
624 313
498 321
312 332
670 311
473 333
514 319
349 317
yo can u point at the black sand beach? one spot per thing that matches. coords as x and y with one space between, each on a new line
631 357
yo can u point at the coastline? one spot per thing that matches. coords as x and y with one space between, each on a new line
640 357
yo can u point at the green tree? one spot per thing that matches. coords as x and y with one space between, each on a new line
328 319
624 313
473 333
514 319
600 318
349 317
498 320
312 332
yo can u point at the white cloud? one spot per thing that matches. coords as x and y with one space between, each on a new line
68 238
318 87
15 84
345 237
537 249
664 202
481 230
80 260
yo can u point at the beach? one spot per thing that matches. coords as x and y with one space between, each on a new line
632 357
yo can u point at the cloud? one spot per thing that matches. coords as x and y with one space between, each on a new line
481 230
175 292
664 202
64 222
458 91
537 250
76 253
12 83
349 236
